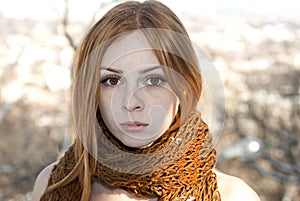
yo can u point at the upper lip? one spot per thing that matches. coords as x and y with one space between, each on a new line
134 123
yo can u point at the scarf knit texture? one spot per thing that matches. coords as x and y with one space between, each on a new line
178 167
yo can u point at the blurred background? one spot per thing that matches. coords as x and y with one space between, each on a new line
255 46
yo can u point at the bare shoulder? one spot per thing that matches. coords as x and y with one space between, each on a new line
234 189
41 182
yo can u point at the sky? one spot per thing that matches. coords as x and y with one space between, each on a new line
82 10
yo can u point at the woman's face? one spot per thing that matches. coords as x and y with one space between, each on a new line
136 101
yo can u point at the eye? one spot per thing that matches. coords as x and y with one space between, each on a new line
155 80
111 80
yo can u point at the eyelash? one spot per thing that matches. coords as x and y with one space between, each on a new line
162 80
105 80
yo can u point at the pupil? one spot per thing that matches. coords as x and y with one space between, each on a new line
154 81
113 81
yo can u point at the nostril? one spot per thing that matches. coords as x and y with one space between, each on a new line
131 109
133 103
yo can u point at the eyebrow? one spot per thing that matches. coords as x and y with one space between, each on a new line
140 72
112 70
149 69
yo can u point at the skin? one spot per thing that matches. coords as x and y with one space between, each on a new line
133 88
136 101
231 189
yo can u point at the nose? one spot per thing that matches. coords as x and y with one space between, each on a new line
133 102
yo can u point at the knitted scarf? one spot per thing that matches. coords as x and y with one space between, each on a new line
177 166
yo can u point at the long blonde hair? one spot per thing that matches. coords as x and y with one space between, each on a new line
177 55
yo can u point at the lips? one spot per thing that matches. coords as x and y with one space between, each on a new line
133 127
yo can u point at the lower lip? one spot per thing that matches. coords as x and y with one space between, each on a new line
133 128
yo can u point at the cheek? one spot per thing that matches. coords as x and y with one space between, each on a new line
105 104
167 100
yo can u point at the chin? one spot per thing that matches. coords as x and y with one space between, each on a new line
136 144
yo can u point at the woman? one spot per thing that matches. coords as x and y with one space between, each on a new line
138 133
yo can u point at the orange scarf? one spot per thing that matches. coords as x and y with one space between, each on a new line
178 166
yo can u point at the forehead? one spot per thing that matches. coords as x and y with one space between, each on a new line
133 47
